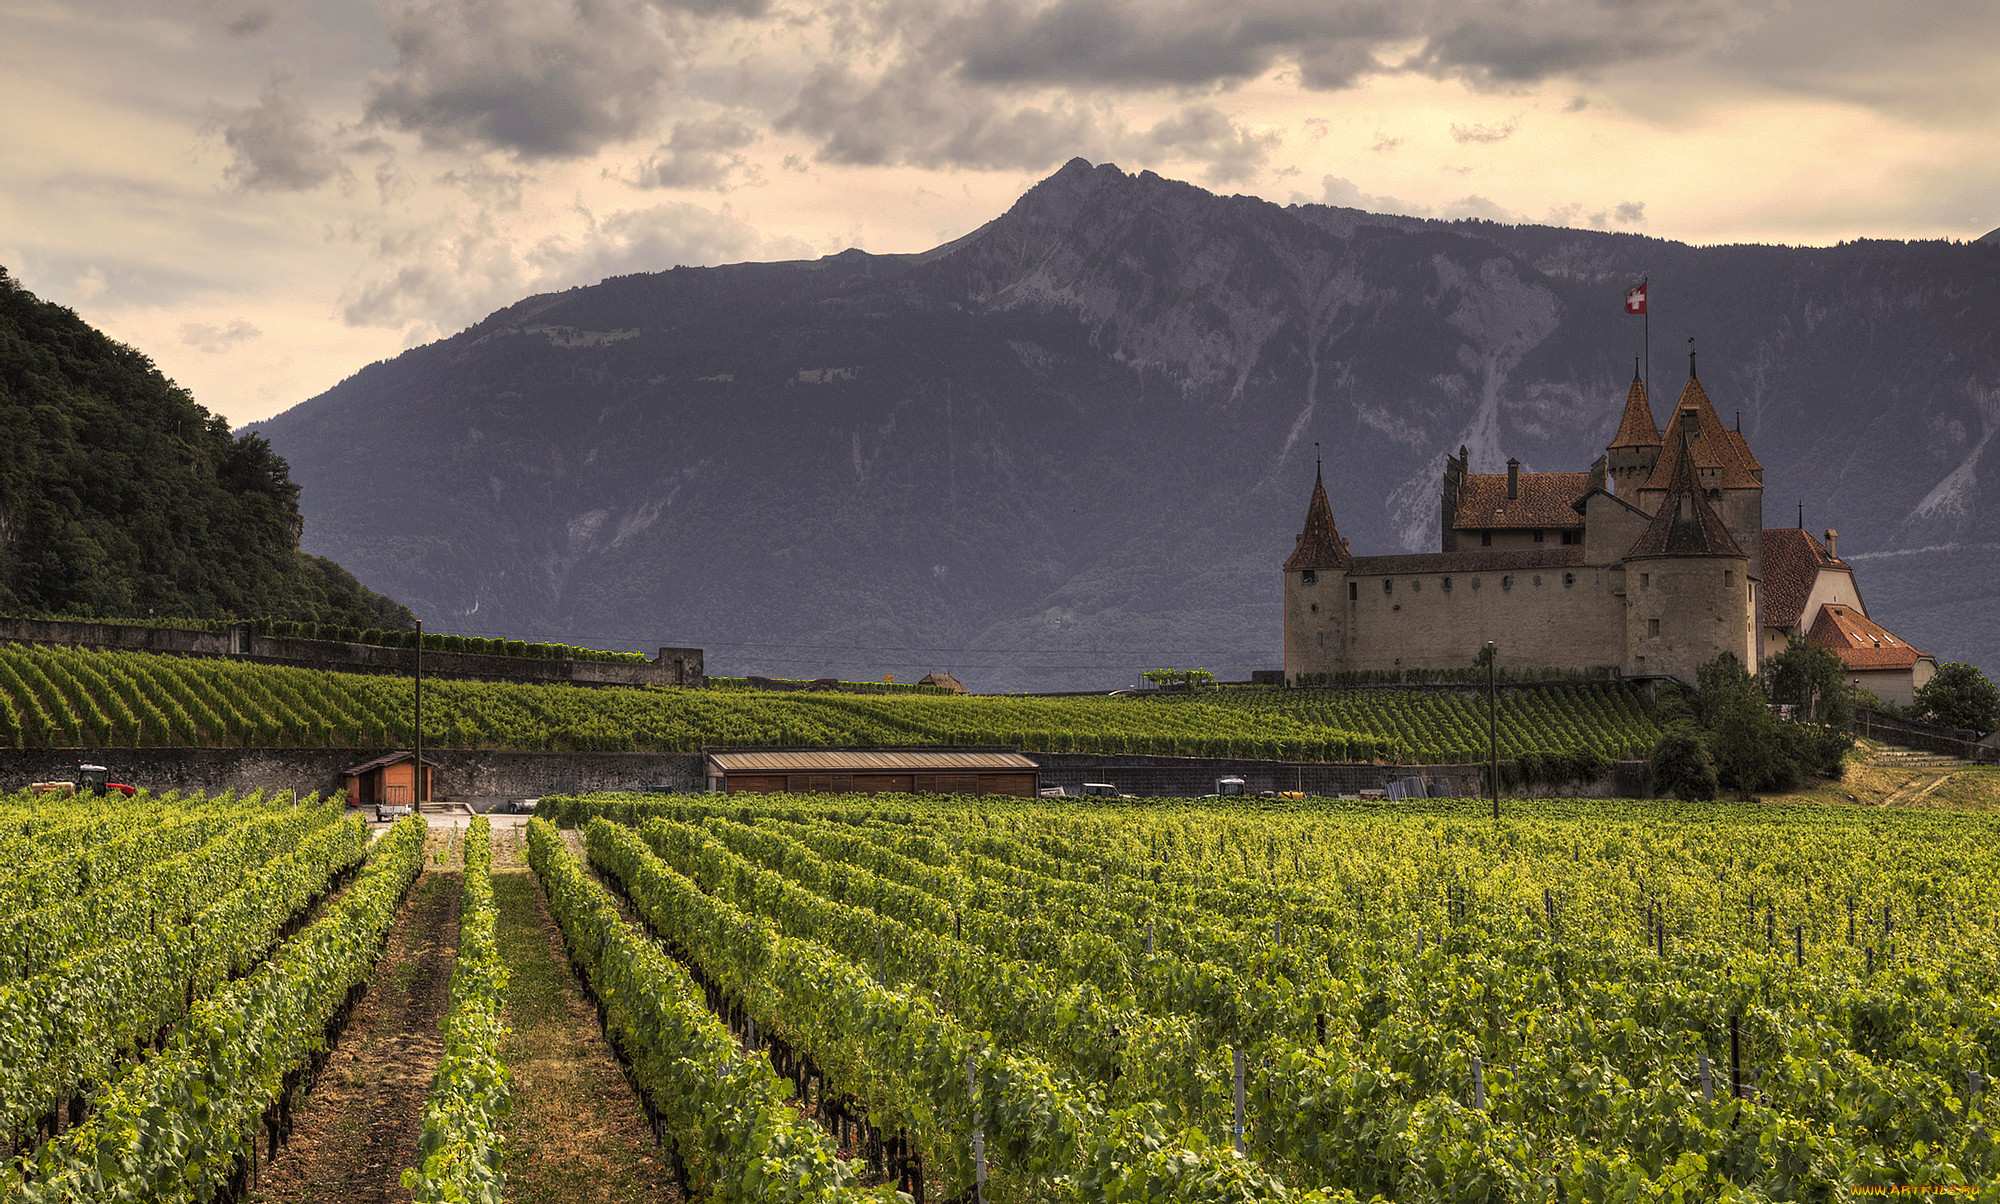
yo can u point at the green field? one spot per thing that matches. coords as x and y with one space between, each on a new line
71 698
1606 1002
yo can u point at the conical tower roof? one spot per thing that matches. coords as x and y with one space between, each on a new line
1711 444
1685 524
1637 429
1320 545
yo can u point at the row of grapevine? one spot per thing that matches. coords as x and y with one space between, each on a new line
1625 1001
725 1113
176 1128
460 1149
76 1024
66 698
918 1069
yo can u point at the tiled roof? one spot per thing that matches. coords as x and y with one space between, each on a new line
1715 447
1792 563
1637 428
1547 499
1697 532
1320 545
1485 560
1859 641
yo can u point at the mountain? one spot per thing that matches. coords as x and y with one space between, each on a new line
121 497
1077 443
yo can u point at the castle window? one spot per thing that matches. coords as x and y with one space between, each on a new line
1309 577
1417 586
1538 535
1729 578
1653 628
1507 582
1486 539
1569 579
1446 585
1354 591
1388 586
1475 583
1572 538
1538 580
1642 665
1645 581
1315 609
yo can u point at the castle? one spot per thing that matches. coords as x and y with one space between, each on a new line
1652 563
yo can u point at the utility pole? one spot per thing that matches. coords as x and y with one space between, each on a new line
419 771
1492 655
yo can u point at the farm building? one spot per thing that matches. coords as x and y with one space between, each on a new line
387 779
873 771
943 679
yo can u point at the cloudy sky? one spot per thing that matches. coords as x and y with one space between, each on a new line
266 195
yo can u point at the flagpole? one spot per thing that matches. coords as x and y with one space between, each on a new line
1647 319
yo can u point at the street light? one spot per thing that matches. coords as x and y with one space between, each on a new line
1492 655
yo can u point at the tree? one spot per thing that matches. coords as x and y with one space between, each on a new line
1812 679
1682 767
1959 696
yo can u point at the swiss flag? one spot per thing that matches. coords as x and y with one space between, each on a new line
1635 301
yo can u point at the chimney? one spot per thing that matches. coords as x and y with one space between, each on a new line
1832 543
1513 478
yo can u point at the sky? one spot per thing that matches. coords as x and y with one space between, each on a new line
267 195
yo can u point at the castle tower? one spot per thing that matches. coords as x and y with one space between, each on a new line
1690 593
1635 449
1316 591
1727 474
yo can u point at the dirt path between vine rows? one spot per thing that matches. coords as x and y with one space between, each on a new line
576 1131
359 1128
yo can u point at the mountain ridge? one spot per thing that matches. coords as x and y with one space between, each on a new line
1074 443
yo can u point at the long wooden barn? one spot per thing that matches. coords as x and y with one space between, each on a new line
872 771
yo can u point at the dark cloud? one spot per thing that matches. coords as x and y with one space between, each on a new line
700 154
949 89
539 78
1204 133
1485 133
240 18
1630 213
908 115
1130 42
1523 44
275 144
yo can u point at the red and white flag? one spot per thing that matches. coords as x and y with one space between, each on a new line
1635 301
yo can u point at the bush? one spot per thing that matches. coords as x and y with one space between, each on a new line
1683 768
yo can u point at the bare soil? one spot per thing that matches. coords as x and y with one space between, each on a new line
359 1128
576 1132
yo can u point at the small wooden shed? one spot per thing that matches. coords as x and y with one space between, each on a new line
387 780
944 679
873 771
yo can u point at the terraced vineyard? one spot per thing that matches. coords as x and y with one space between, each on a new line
1636 1002
69 698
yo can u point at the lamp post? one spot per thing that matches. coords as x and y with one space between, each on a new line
1492 655
418 771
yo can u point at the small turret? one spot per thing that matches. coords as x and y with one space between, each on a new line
1636 447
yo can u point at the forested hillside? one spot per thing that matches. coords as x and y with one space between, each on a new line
122 497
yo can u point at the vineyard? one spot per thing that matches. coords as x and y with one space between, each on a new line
845 999
174 972
1018 1003
72 698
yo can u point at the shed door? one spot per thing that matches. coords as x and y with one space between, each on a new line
947 783
1020 784
755 783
